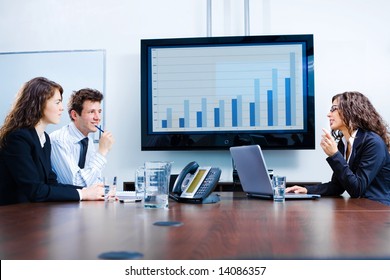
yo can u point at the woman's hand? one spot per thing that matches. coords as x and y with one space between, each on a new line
296 189
328 144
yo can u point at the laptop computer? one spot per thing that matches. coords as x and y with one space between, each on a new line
253 173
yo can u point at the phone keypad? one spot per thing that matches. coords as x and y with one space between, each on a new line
202 189
205 186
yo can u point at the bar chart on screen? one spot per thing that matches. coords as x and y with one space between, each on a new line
218 88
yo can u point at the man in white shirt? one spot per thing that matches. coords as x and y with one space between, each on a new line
68 163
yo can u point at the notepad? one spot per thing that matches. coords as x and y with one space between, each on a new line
122 195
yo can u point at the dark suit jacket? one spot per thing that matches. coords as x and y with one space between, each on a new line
366 175
25 171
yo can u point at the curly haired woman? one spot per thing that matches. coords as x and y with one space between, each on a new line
357 150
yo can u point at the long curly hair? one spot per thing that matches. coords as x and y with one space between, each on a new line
357 111
29 105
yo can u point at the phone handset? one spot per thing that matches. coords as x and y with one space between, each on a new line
195 184
185 175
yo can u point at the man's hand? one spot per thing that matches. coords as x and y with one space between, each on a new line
105 143
94 192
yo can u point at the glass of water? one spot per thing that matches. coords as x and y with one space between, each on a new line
279 187
157 175
110 183
139 182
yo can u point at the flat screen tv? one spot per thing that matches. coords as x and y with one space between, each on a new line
217 92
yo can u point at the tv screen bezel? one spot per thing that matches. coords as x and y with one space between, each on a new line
218 140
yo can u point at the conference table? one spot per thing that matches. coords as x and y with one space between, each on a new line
237 227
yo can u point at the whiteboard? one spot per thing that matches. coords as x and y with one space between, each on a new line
73 70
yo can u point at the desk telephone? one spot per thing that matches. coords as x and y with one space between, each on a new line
194 184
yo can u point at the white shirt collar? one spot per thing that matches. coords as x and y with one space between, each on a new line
351 140
42 139
73 130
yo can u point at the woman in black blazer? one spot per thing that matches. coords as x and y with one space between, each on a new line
25 167
358 152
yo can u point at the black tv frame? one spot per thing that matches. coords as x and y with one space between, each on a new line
222 140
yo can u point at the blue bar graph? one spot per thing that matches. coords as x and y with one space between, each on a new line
221 113
293 92
164 123
288 102
217 117
275 98
257 101
199 119
169 117
204 112
234 113
186 113
252 95
181 122
252 113
270 107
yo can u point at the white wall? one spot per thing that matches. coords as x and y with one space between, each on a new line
352 52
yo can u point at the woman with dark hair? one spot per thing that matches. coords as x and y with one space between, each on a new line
25 167
358 152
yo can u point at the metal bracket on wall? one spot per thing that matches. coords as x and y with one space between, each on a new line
246 18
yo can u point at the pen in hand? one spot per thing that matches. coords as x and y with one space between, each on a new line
98 127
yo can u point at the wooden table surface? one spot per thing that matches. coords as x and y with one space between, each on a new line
234 228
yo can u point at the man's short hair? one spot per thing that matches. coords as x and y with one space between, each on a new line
78 98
